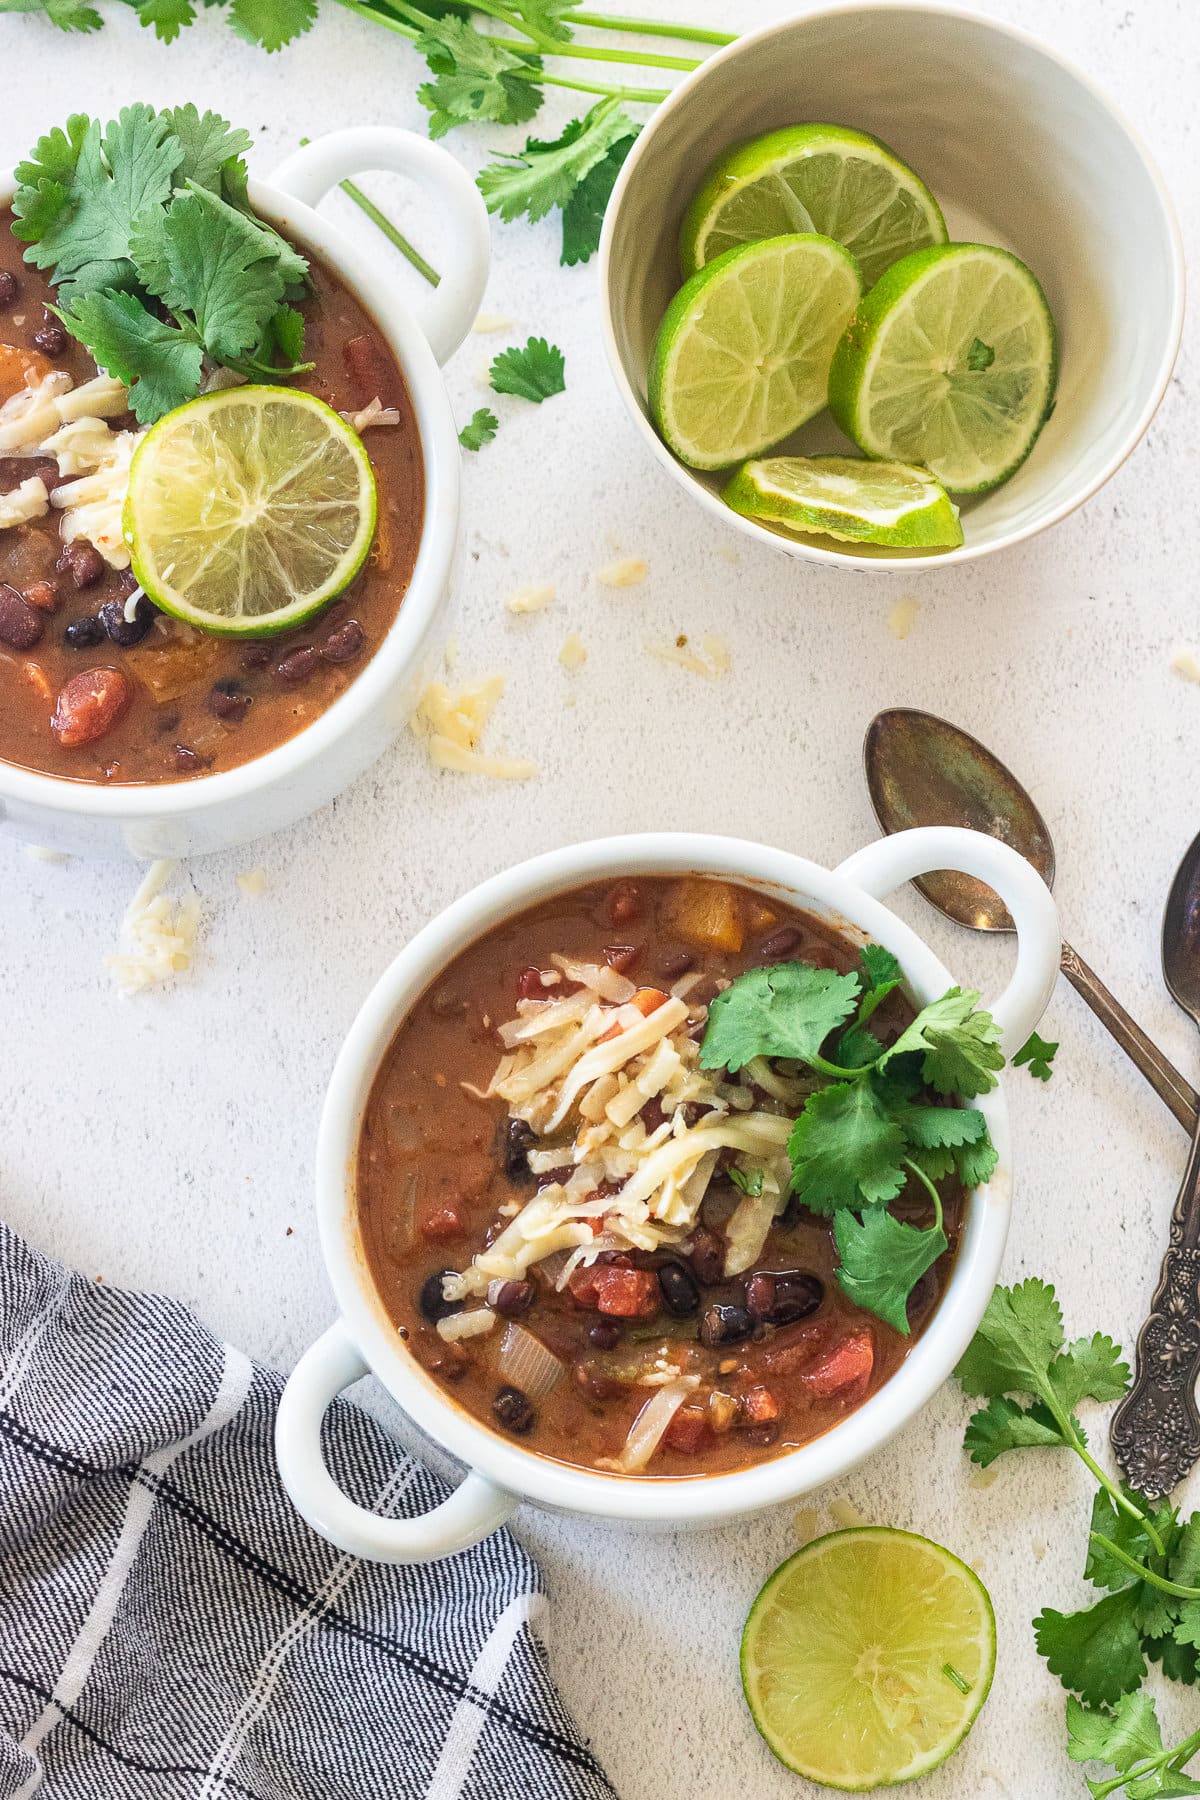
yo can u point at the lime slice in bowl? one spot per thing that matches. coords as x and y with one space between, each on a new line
848 497
743 353
249 509
950 361
867 1656
823 178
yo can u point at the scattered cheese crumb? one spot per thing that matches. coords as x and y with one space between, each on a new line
903 616
846 1515
530 599
452 725
450 655
573 654
806 1523
983 1478
628 572
374 413
1039 1549
158 935
39 853
254 882
1185 662
485 322
727 553
712 664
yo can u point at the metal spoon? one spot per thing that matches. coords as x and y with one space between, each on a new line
1156 1428
923 771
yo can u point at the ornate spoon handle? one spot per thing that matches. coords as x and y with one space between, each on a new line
1162 1075
1156 1428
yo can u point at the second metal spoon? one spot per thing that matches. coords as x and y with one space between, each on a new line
923 771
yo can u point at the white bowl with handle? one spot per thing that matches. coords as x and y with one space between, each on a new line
499 1474
1020 148
214 812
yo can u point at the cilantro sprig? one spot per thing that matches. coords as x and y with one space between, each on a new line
161 266
872 1134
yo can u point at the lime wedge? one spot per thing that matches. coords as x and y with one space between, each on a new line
824 178
867 1657
848 497
743 352
950 361
249 509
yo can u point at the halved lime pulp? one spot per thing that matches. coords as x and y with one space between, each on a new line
848 497
249 509
867 1657
842 183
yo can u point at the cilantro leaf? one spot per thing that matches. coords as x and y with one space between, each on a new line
271 23
208 142
880 974
168 17
846 1149
583 214
1003 1425
747 1181
481 429
284 336
881 1261
788 1010
1019 1335
1089 1369
478 77
1038 1054
1127 1735
223 270
980 355
546 16
546 174
960 1045
45 177
1179 1662
1095 1653
158 363
535 373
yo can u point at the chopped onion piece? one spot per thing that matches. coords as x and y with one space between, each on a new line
466 1324
646 1432
603 980
526 1363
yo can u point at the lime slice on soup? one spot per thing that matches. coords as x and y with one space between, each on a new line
248 510
743 353
867 1657
949 361
848 497
823 178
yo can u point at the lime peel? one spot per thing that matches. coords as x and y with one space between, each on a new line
850 498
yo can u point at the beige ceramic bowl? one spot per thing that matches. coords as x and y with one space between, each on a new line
1020 149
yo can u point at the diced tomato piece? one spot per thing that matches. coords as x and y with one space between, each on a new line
844 1372
583 1285
445 1222
628 1293
792 1349
759 1407
688 1430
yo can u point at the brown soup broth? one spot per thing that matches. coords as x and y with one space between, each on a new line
200 703
431 1180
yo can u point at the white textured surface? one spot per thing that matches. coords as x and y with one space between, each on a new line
168 1142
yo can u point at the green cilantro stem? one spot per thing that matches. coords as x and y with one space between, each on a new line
915 1169
353 192
1172 1760
1110 1487
1141 1571
835 1070
552 46
691 34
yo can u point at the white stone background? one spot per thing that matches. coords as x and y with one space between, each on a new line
168 1141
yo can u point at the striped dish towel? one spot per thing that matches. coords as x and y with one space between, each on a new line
169 1626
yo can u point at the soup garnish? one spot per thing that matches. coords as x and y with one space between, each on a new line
725 1179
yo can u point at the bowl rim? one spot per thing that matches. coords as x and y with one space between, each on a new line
287 763
528 1473
883 559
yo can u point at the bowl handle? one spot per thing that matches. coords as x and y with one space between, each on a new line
882 867
448 313
474 1510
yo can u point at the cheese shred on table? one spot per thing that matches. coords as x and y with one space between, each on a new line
582 1070
453 724
158 934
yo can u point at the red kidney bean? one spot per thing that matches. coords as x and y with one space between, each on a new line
43 595
443 1223
82 562
622 957
370 370
781 1297
512 1298
624 903
298 665
530 985
256 654
21 625
229 700
707 1256
344 642
780 944
10 287
188 761
88 706
675 963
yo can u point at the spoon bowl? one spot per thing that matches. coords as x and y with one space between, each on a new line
1181 934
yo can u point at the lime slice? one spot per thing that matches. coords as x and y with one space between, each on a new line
848 497
249 509
950 361
813 178
744 349
867 1657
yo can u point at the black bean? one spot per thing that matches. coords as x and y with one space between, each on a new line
21 625
780 944
121 630
82 562
707 1256
674 963
517 1141
513 1297
780 1297
10 287
344 642
256 654
229 700
514 1410
83 634
298 664
433 1302
680 1291
51 340
723 1324
605 1334
188 761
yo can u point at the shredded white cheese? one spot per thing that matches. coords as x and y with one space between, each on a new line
254 882
629 571
1185 662
573 654
486 322
39 853
530 599
452 725
28 501
466 1324
712 664
158 935
903 616
374 413
846 1515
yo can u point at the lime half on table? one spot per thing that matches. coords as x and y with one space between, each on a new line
950 361
848 497
249 509
867 1657
743 353
844 184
